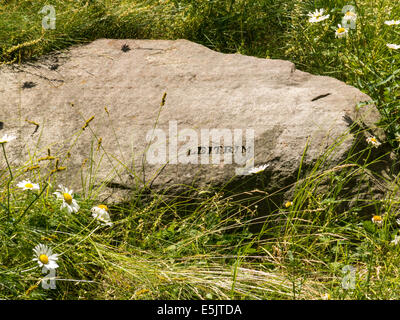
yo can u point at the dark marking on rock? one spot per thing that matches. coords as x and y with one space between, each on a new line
1 125
116 185
125 48
28 85
54 66
348 120
355 126
142 48
320 96
36 129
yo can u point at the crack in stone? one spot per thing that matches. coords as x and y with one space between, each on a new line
320 97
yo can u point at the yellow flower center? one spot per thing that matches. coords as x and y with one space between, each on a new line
103 206
372 140
29 185
349 13
44 259
341 30
67 198
288 204
377 218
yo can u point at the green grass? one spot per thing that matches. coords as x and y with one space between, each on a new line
210 245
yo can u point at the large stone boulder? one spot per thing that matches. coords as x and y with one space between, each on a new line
49 105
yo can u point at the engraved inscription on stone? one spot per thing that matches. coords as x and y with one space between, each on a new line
219 150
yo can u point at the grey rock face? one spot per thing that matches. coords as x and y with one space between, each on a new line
47 105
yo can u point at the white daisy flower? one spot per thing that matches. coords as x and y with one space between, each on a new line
373 141
378 220
67 196
27 185
326 296
341 32
317 16
392 22
100 213
393 46
7 138
258 169
45 257
396 240
350 16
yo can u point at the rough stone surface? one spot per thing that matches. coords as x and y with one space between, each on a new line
287 109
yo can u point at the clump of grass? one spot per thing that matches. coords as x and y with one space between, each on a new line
251 27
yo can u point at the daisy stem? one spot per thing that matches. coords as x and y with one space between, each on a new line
32 202
9 181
